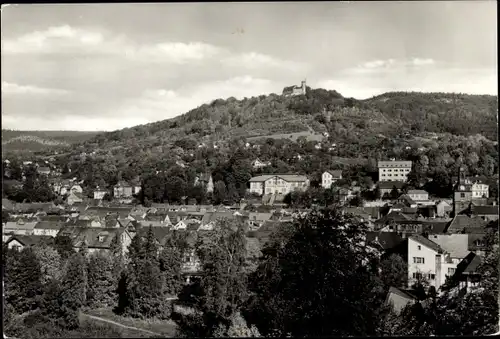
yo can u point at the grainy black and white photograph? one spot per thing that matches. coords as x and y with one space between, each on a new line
259 169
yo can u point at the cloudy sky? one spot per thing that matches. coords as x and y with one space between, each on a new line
110 66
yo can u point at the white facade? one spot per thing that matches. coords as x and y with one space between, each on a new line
99 195
327 179
278 184
480 191
44 231
422 260
77 189
394 170
418 195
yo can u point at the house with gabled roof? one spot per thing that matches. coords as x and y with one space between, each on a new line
257 163
48 228
466 274
399 299
425 259
279 184
418 195
97 239
74 198
122 190
18 242
330 177
486 212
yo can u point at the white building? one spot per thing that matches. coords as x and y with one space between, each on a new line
278 184
394 170
99 194
480 190
428 260
418 195
260 164
330 177
456 247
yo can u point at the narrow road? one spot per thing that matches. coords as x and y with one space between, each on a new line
121 325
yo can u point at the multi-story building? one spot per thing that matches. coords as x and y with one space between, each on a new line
418 195
122 190
330 177
278 184
393 170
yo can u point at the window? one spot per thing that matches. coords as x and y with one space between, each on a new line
419 247
417 275
101 238
418 260
451 271
431 276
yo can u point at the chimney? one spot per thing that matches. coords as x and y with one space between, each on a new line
438 272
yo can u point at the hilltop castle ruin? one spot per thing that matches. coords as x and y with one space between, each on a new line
295 90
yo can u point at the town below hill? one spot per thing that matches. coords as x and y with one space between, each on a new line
228 220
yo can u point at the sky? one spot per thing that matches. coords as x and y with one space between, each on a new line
111 66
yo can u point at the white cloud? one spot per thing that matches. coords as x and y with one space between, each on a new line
257 60
11 88
51 40
390 65
176 52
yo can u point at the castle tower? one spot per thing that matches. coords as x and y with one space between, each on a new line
303 84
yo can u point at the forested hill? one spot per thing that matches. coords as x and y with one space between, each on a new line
35 141
318 111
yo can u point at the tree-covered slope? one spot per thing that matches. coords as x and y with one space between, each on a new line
318 111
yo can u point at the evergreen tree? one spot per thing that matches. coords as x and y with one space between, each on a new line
23 280
171 259
64 246
101 282
75 283
50 262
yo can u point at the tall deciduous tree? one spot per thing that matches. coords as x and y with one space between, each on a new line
50 262
221 291
394 271
320 263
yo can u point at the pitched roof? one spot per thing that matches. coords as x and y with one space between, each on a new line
484 210
455 244
434 227
335 173
417 192
402 293
50 225
468 265
461 222
20 225
91 236
391 164
387 240
28 240
285 177
390 184
407 199
426 242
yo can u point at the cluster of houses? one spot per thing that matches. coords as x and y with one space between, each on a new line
440 239
96 226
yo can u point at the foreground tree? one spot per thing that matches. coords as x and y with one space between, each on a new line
50 263
394 271
221 291
101 282
318 280
23 280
